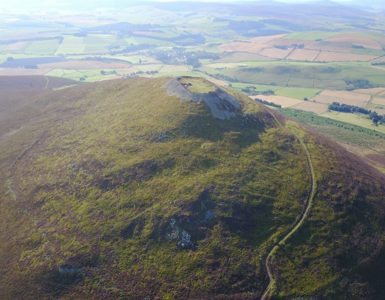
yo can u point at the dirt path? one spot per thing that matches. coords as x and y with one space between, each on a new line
372 97
46 82
290 53
296 226
11 191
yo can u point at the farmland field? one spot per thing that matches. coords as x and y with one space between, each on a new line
22 72
279 100
372 92
71 44
252 45
310 106
275 52
345 97
321 47
291 92
334 76
310 36
88 64
379 100
363 141
357 119
298 93
304 55
236 57
98 43
81 75
45 47
15 47
351 133
366 41
329 56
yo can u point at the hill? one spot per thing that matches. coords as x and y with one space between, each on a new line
176 189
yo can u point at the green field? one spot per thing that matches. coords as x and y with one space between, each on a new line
71 45
98 43
45 47
292 92
356 119
298 74
367 51
297 93
81 75
343 131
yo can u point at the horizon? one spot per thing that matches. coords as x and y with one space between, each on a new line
71 5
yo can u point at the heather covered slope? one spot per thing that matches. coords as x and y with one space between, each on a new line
166 188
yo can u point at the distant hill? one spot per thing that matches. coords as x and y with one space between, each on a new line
178 189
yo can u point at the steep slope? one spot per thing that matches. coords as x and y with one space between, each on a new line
174 188
19 90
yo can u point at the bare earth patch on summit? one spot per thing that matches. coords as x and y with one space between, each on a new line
221 104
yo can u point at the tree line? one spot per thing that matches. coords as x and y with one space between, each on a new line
267 103
374 116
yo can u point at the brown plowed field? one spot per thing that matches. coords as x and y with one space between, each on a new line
355 39
275 52
372 92
86 64
253 45
379 100
350 98
339 56
310 106
303 54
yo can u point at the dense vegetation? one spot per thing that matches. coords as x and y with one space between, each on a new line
123 190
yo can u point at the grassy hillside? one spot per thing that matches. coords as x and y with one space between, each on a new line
176 189
365 142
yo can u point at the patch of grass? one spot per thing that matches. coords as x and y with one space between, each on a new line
292 92
368 51
45 47
98 43
340 131
71 45
300 75
355 119
297 93
89 75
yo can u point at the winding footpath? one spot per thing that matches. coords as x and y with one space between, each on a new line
296 226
